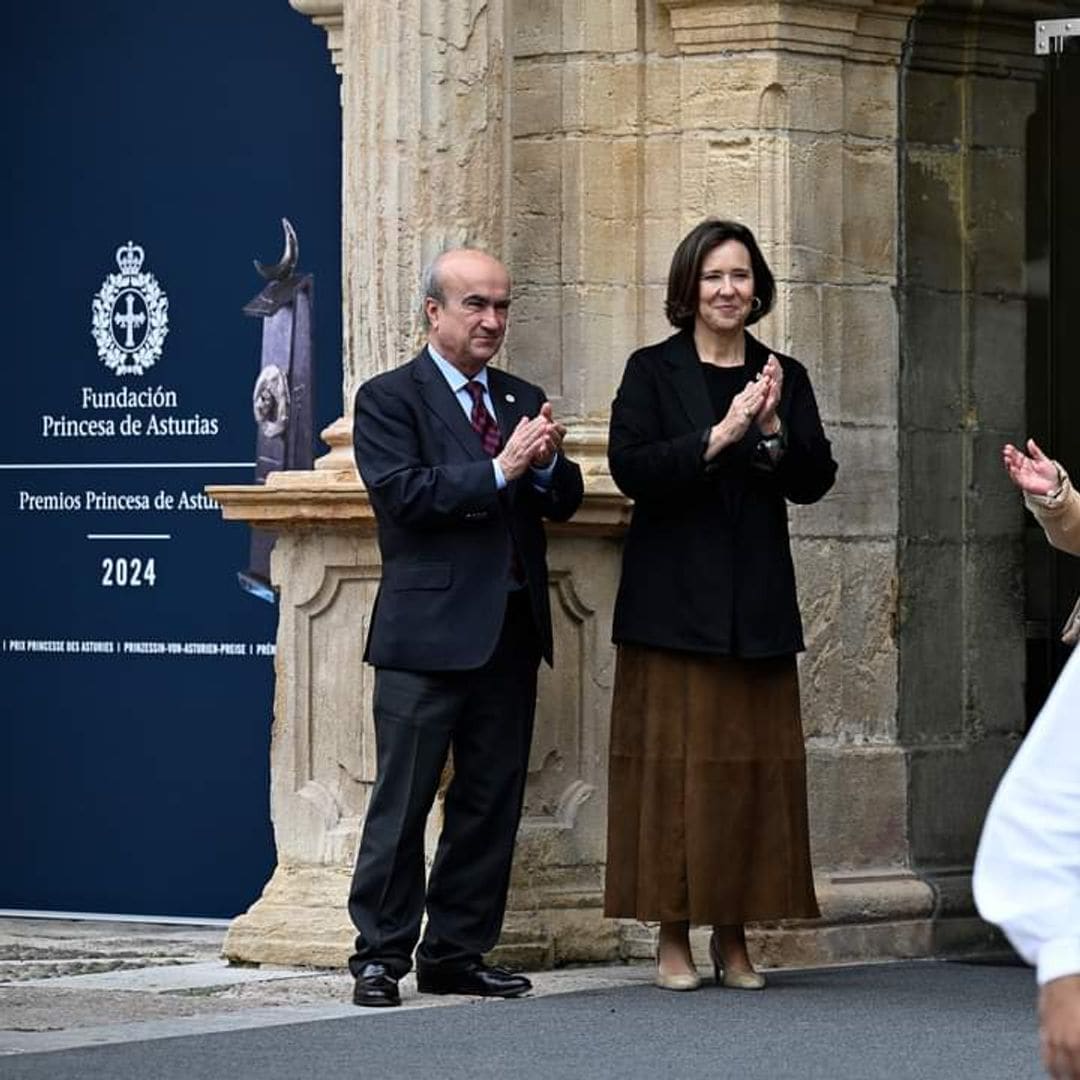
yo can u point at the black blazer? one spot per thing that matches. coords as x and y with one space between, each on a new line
707 563
444 530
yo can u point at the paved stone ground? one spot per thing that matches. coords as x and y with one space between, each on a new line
66 984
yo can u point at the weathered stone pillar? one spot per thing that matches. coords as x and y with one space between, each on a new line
425 138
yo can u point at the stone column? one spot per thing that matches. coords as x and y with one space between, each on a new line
425 160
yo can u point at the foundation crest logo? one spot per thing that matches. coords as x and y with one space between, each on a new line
130 315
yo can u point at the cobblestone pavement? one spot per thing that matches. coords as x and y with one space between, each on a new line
69 983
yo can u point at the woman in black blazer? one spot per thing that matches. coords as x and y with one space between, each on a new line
711 434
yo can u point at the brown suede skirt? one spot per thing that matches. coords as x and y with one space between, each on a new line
707 790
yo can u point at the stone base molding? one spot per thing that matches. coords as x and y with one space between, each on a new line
867 915
301 920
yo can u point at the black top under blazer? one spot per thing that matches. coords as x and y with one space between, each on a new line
707 563
444 530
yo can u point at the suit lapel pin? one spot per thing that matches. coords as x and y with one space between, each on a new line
511 398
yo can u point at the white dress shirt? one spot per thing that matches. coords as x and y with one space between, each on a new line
1027 870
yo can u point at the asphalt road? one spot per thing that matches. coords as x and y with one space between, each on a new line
941 1020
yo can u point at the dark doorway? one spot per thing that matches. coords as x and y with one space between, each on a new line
1052 579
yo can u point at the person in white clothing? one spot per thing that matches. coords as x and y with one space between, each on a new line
1027 869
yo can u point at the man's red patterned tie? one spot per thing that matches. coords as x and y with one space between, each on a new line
490 438
482 421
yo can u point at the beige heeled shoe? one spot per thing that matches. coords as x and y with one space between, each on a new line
743 979
681 980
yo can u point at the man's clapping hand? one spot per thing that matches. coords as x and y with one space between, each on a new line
533 442
552 441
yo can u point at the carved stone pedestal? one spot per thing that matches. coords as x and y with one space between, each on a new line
325 566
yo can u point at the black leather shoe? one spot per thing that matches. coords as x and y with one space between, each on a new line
474 978
375 986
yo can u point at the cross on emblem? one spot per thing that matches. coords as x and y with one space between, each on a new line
129 301
128 320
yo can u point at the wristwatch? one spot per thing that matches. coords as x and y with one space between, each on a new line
777 440
769 450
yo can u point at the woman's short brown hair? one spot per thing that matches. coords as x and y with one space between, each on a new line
681 303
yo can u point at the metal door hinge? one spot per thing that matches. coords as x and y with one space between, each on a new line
1051 34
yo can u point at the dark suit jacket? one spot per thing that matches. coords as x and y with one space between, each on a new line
707 564
445 532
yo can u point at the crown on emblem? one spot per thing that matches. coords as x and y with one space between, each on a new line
129 257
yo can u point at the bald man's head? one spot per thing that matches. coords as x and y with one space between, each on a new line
466 305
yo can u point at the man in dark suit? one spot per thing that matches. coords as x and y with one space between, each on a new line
461 462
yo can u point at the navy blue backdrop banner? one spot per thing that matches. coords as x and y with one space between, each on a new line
152 151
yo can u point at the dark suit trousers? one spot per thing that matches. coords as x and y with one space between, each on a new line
485 717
